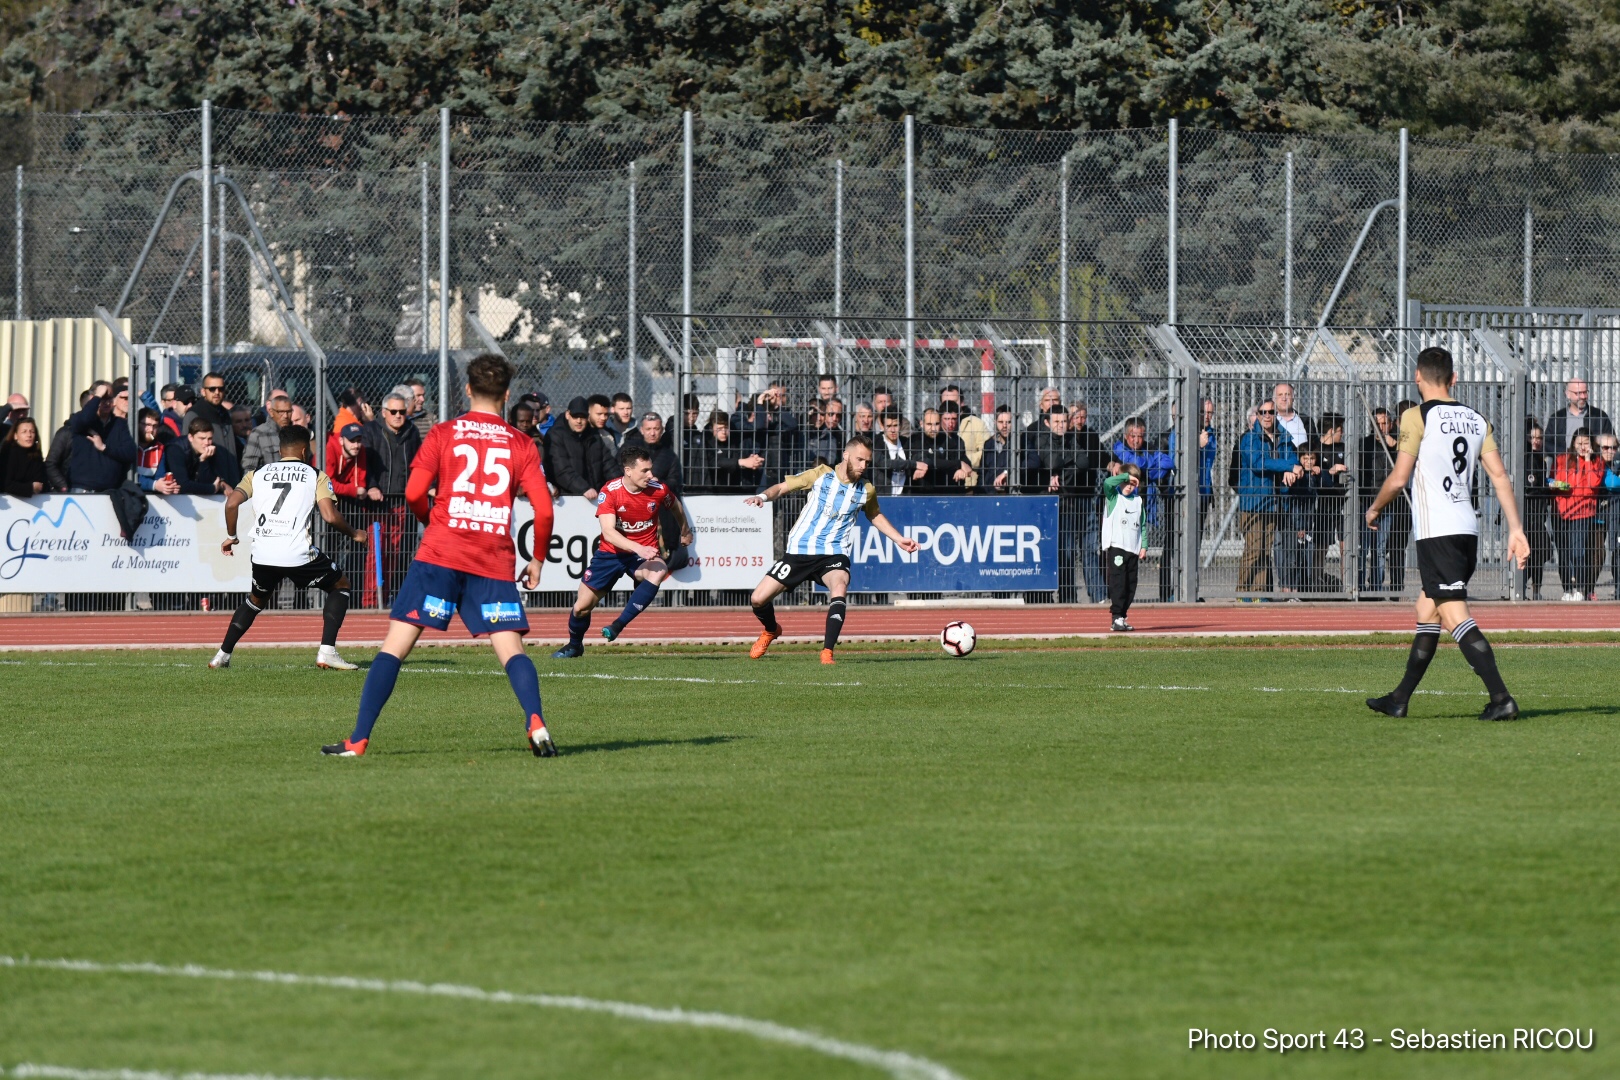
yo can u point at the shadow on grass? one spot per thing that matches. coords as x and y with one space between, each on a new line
609 746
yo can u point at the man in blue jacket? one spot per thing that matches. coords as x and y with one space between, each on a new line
1157 465
195 461
1267 464
103 449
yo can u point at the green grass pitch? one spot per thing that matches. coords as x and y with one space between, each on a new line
1036 862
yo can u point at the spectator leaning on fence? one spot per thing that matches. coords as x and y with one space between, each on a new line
1578 413
1375 462
601 445
391 445
864 418
1297 424
1578 476
194 461
1267 465
826 442
264 441
152 444
892 460
565 451
346 457
970 426
948 466
722 464
997 471
103 450
1537 506
22 464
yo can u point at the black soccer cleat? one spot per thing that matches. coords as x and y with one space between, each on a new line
1506 709
610 632
346 748
569 652
1389 705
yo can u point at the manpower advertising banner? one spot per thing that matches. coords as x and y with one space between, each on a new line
969 544
71 543
731 546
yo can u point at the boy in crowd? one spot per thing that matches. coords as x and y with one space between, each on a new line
1124 540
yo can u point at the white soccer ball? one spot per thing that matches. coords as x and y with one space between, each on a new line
958 638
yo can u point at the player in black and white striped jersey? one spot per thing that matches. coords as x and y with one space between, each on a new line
286 495
1442 444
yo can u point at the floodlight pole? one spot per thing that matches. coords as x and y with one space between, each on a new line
19 308
686 261
1529 249
838 260
207 236
219 225
1400 260
427 318
1171 193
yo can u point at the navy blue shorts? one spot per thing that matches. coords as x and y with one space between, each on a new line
432 593
607 567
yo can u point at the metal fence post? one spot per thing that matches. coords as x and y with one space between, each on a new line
1529 247
838 260
219 226
630 297
1170 298
19 310
1063 276
1400 262
444 265
911 268
1190 466
1288 242
422 335
207 177
686 259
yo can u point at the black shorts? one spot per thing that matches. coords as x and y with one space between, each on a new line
320 572
792 570
1445 563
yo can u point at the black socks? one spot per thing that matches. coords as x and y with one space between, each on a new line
241 622
766 614
835 623
1477 651
337 606
1424 644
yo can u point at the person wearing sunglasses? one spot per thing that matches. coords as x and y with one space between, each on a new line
391 442
1267 466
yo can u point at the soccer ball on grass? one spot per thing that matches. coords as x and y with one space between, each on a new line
958 638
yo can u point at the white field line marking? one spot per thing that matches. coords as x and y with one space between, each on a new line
27 1070
1112 687
896 1063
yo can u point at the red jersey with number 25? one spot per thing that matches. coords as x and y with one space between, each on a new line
637 513
479 464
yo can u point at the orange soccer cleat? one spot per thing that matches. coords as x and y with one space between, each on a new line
757 649
346 749
827 657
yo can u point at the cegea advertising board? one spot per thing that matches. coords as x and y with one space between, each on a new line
969 544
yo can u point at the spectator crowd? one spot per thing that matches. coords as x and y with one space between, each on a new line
1298 481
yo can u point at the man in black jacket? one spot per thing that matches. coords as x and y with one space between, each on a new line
391 442
948 467
601 445
1090 461
1052 466
193 461
565 451
61 450
210 405
103 449
723 465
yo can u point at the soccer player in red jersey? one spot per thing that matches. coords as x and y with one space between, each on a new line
627 510
477 463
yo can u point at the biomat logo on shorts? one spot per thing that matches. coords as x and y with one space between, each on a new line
494 613
438 608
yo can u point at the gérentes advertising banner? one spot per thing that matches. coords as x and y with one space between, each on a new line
731 548
72 543
969 544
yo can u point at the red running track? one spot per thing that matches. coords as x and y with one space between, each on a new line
199 630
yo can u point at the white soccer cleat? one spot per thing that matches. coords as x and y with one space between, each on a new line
328 657
222 659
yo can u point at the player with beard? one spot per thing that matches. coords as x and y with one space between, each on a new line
818 547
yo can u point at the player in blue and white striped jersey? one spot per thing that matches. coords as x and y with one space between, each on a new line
818 547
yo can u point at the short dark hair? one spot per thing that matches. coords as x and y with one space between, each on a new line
949 407
84 396
198 424
1331 420
857 440
630 453
690 401
718 417
1003 409
418 381
294 435
1380 411
598 399
622 396
489 375
185 395
1434 366
520 407
826 377
876 390
951 388
891 413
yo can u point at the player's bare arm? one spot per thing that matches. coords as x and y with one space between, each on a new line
611 533
882 524
233 503
1394 484
685 526
333 517
770 494
1518 542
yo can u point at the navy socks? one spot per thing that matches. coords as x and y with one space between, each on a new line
375 694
